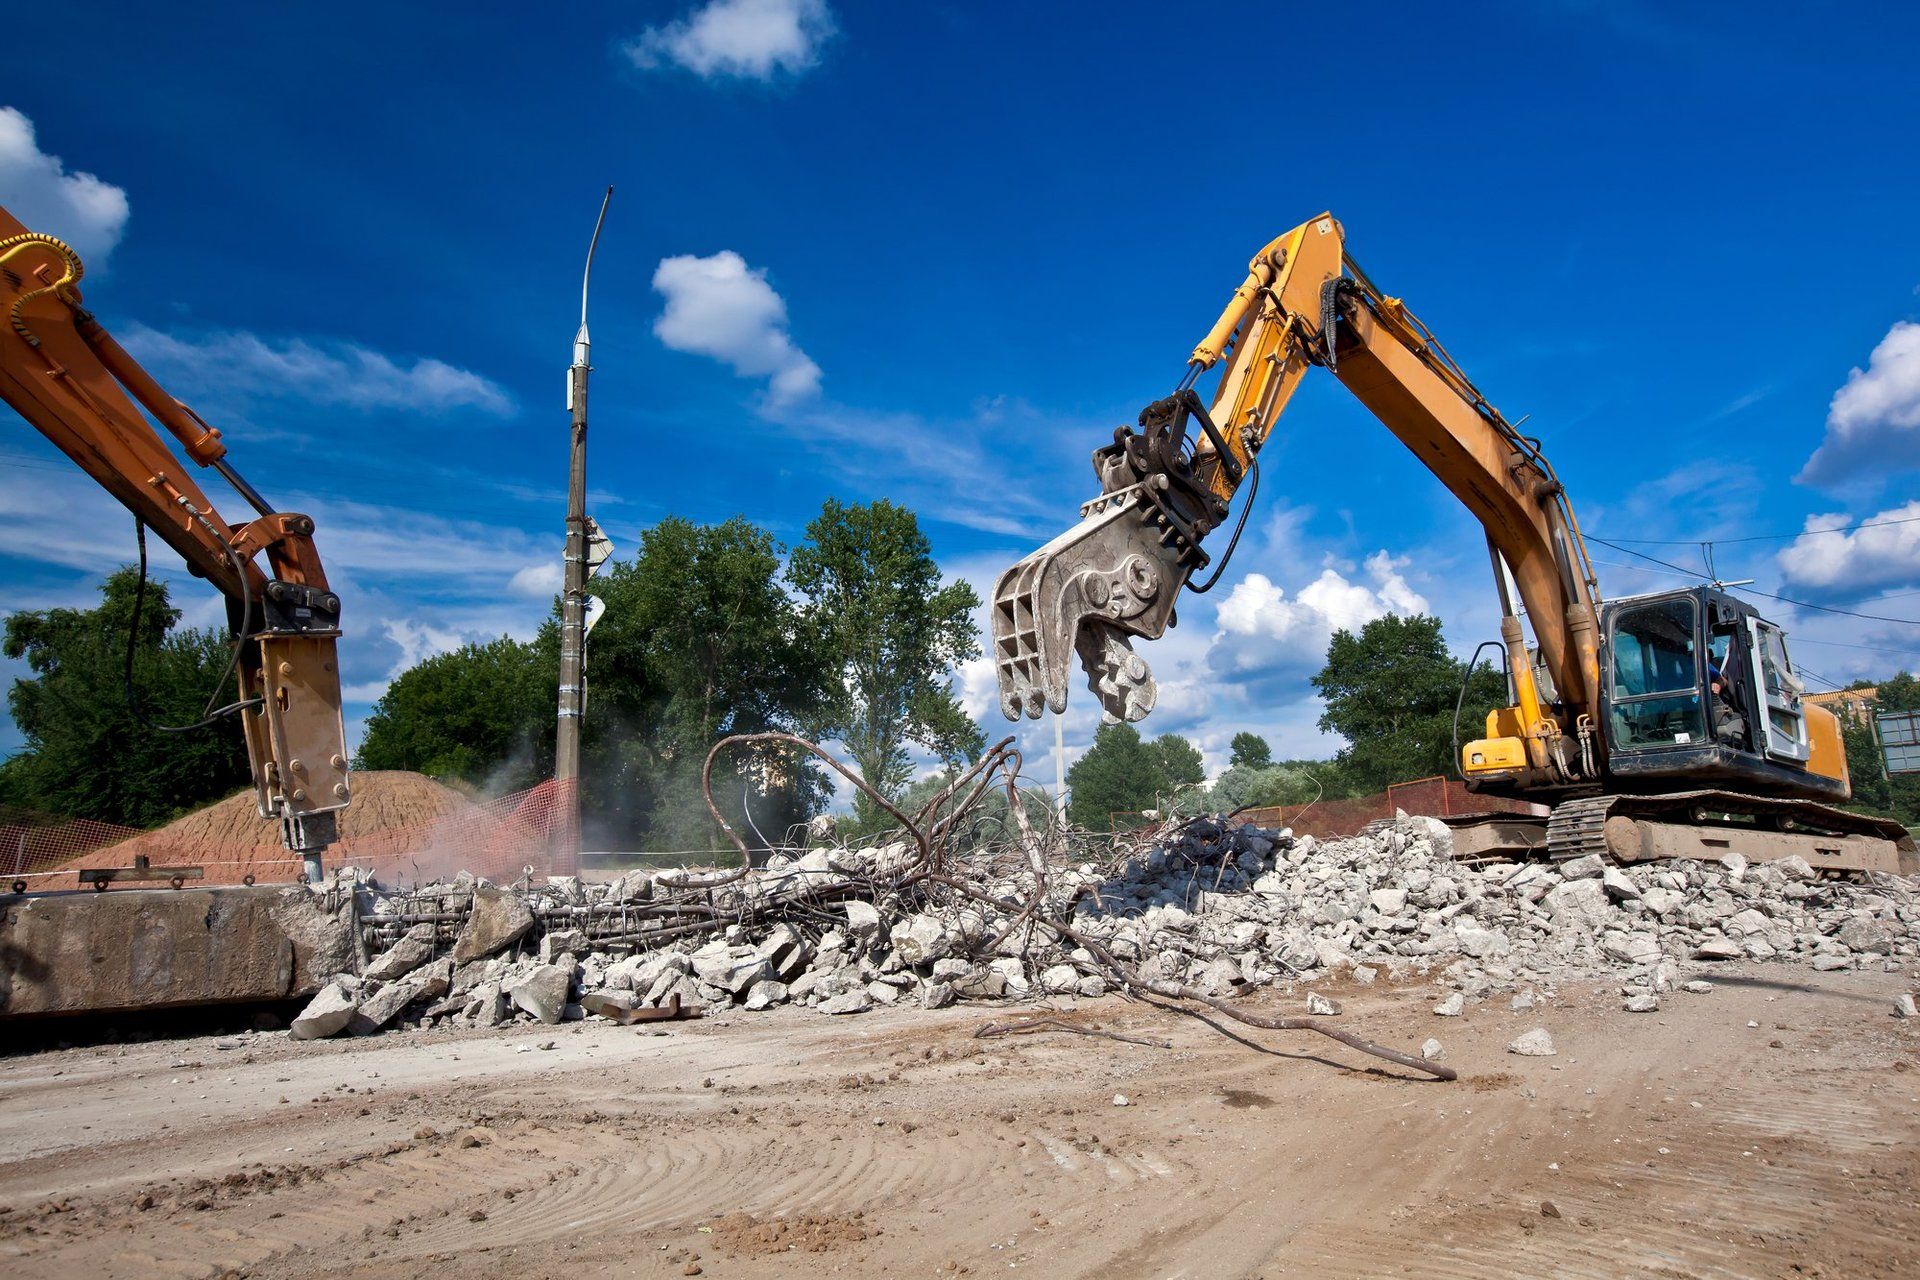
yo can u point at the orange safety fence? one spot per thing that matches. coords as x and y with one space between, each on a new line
501 839
1432 797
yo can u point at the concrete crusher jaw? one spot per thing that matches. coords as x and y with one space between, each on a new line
1115 575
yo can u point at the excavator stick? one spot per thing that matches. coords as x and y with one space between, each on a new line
1114 575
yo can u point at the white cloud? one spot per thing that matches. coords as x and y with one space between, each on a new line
718 306
540 581
1259 611
38 190
317 372
1873 558
1874 420
750 39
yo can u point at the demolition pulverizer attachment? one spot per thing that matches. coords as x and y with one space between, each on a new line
1113 576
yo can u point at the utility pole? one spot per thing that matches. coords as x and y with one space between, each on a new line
1059 767
573 580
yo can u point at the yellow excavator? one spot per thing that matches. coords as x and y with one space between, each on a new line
1654 726
66 375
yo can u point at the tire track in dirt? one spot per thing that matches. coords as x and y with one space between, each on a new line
1757 1189
537 1182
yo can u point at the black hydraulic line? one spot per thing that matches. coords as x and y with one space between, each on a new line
1253 491
1461 701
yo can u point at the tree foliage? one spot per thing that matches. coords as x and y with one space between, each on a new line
88 752
698 641
876 611
1122 774
1874 791
1390 692
1249 751
480 714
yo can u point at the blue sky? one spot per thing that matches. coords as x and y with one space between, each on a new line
936 252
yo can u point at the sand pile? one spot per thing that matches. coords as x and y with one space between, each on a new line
230 837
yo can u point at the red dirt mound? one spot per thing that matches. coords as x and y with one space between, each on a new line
230 838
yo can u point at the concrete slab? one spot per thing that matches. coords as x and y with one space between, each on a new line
129 949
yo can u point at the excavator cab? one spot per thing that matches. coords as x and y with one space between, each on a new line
1699 686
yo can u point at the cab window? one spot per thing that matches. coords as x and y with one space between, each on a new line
1656 683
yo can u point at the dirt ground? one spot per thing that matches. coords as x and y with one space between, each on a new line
1685 1143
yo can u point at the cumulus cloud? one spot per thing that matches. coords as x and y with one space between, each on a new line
1258 610
538 581
317 372
1874 420
1883 553
38 189
718 306
747 39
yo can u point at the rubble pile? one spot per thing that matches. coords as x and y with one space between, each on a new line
1205 906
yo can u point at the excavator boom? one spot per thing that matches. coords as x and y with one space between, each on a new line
67 376
1166 486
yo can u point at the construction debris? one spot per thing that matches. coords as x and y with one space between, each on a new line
1199 912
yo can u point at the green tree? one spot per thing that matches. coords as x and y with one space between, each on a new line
1390 692
1181 763
698 641
1250 751
891 631
1874 790
88 752
1122 773
1119 775
481 714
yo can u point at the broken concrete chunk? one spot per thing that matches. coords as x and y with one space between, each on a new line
1862 933
327 1014
1645 1002
1718 949
863 919
563 942
486 1005
733 969
1615 882
540 991
921 939
855 1001
414 949
785 952
1452 1006
608 1004
1903 1006
766 993
1432 1051
1534 1044
499 919
1320 1005
380 1008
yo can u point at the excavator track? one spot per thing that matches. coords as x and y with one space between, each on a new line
1708 824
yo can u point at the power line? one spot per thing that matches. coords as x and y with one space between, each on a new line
1762 537
1799 604
1841 644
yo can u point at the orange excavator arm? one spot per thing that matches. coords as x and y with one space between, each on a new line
67 376
1116 575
